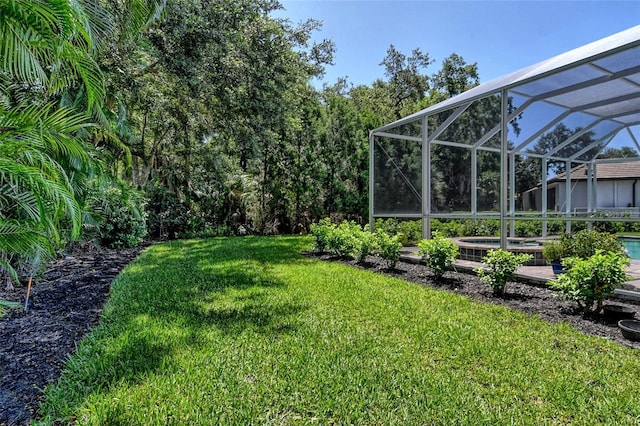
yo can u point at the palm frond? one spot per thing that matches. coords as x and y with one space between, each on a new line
26 31
141 14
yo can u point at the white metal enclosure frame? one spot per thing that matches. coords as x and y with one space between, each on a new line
589 97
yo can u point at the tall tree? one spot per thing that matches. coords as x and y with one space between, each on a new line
554 142
405 81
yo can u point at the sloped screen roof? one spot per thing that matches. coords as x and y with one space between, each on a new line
601 79
479 151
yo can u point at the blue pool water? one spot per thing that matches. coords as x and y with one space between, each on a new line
633 247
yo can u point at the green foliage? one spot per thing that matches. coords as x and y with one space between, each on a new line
411 231
528 228
582 244
350 239
502 266
388 226
167 216
52 96
439 252
554 250
40 156
408 231
586 243
120 213
481 227
590 281
450 228
365 243
342 238
346 239
321 231
8 305
610 227
388 248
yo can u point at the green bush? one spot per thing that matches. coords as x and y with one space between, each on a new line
582 244
481 228
411 229
610 227
632 226
528 228
554 250
388 226
502 267
167 216
408 231
587 242
321 231
555 227
388 248
346 239
589 281
120 217
342 239
365 242
449 228
439 252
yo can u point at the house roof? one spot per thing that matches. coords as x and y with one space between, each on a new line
604 171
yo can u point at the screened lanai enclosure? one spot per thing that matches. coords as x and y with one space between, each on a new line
543 143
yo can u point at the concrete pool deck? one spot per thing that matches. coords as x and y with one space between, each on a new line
537 274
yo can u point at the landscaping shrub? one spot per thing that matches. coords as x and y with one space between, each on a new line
364 243
412 230
632 227
586 243
388 226
481 228
555 227
502 267
342 239
321 232
449 228
346 239
388 248
439 253
408 231
528 228
610 227
582 244
590 281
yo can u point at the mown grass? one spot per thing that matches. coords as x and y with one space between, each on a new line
246 331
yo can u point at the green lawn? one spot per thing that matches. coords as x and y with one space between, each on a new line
247 331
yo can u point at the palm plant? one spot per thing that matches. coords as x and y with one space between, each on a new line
47 52
46 46
35 190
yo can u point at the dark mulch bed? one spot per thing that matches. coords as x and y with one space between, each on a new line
63 306
531 299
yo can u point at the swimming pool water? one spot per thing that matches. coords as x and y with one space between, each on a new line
633 247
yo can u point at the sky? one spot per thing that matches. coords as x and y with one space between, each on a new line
500 36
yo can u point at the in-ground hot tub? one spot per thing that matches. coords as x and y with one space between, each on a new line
475 248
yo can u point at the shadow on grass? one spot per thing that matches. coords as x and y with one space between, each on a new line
175 297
